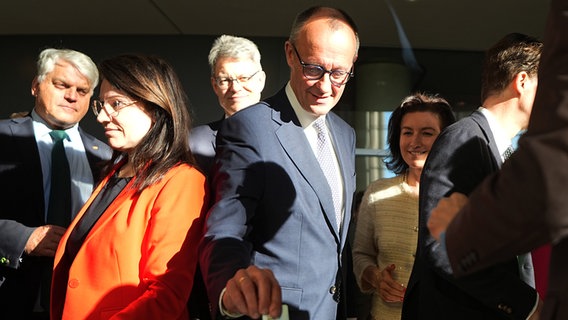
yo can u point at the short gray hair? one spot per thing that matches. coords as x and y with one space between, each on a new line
49 57
233 47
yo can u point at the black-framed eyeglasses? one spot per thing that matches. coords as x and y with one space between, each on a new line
316 72
225 83
115 106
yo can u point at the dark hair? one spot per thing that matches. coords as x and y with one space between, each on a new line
333 14
152 81
511 55
419 102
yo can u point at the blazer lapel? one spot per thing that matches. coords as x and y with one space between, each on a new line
23 133
293 140
481 121
346 158
113 208
96 152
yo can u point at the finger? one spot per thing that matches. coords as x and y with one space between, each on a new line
393 289
392 295
233 299
57 230
387 297
459 199
248 287
270 301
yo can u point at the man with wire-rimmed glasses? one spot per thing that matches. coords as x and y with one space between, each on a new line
237 79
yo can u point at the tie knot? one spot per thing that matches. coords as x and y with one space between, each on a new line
319 125
58 135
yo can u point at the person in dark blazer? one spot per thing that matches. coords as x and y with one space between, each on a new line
237 79
461 157
62 89
275 234
523 206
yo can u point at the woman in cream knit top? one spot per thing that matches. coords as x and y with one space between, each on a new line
387 227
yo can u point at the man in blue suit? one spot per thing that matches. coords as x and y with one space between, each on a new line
276 232
63 87
237 79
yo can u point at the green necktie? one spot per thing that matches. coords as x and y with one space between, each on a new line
59 206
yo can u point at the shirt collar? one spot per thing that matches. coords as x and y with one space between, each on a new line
498 133
41 129
305 118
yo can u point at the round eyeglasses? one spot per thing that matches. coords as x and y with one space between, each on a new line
316 72
224 83
111 107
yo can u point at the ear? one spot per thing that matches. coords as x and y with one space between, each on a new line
35 87
261 80
520 81
289 53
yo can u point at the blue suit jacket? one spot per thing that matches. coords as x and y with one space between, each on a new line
202 142
23 209
461 157
274 209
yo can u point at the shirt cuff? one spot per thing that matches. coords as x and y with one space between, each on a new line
223 311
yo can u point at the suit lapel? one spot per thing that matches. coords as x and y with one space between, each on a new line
23 133
345 158
96 152
526 269
112 210
293 140
481 121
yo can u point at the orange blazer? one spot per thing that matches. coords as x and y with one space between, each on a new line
139 259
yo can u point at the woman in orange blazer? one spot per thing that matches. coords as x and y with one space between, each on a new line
131 252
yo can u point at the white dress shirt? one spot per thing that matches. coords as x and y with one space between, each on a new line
81 174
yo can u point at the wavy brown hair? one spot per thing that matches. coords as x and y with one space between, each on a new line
418 102
152 81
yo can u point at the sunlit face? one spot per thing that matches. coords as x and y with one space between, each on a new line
418 132
318 44
237 94
125 129
62 98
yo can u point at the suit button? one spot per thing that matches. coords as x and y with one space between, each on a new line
505 308
332 290
4 261
73 283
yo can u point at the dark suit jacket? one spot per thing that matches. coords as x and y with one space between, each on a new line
461 157
23 209
202 141
525 204
273 207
